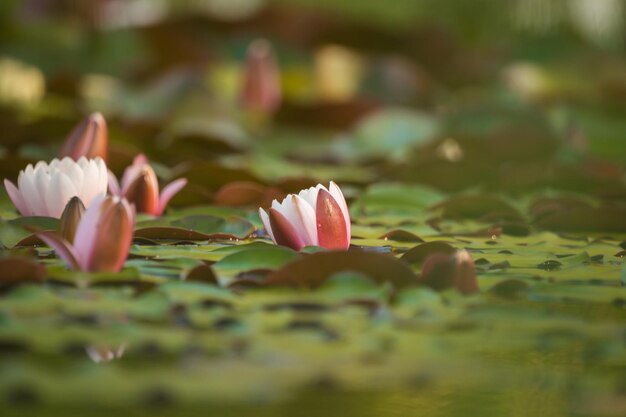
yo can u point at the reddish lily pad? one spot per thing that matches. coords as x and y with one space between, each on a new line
246 193
419 253
608 218
19 271
486 207
399 235
311 271
196 228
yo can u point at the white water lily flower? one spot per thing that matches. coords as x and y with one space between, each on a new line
45 189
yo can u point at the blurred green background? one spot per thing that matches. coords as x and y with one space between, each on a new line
492 125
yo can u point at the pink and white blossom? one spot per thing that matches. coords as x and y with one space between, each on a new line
103 237
317 216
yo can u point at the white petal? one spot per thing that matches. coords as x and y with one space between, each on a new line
42 186
32 200
301 215
89 188
278 206
310 195
40 165
103 176
306 216
77 177
82 161
59 192
266 223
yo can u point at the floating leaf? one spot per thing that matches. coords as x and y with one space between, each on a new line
267 257
419 253
20 271
313 270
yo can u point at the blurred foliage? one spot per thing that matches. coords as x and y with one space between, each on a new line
495 127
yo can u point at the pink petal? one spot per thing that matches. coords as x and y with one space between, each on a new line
131 173
89 138
140 160
113 236
331 224
86 235
16 197
114 185
62 247
335 191
169 191
294 209
284 233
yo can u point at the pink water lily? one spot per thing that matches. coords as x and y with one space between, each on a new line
141 187
45 189
89 139
317 216
103 237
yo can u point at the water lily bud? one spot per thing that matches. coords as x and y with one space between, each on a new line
45 189
317 216
261 83
441 271
143 192
70 219
102 239
140 187
89 139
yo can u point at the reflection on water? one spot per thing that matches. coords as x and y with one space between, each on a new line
105 354
448 401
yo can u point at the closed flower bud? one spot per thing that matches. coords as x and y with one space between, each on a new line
140 187
441 271
261 83
315 217
70 219
102 240
89 138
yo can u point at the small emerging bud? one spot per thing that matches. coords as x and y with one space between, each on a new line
143 191
441 271
140 187
70 219
261 84
89 139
